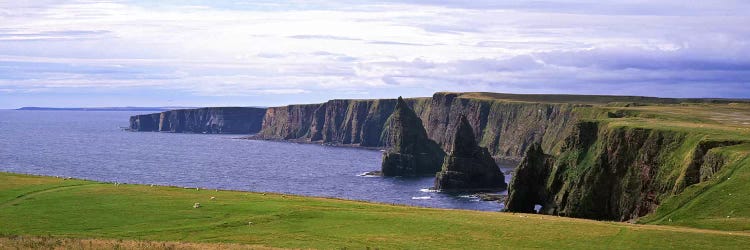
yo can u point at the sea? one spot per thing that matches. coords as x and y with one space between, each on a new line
93 145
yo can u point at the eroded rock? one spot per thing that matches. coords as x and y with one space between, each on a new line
410 152
469 166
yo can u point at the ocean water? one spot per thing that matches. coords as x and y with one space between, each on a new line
91 145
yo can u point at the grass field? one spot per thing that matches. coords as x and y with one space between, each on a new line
49 211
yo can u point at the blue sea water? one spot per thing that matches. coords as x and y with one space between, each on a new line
92 145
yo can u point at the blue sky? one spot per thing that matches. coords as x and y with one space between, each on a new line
264 53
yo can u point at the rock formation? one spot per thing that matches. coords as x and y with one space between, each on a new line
337 122
410 152
505 127
468 166
612 172
221 120
528 181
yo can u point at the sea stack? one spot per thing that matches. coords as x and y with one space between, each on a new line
469 166
410 152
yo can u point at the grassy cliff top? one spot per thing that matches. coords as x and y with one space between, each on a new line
722 121
590 99
46 206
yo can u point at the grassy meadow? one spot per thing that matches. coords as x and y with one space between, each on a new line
48 211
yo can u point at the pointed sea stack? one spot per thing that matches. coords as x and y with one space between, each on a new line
469 166
410 151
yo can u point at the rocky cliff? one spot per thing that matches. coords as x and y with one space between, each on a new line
339 122
468 166
221 120
612 172
410 152
505 127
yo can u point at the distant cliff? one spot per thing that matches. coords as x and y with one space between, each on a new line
506 128
220 120
342 122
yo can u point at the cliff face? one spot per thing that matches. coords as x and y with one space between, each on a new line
224 120
341 122
612 172
528 187
505 128
468 166
410 152
288 122
149 122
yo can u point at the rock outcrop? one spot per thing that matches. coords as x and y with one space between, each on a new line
337 122
529 181
221 120
612 172
410 152
468 166
148 122
505 127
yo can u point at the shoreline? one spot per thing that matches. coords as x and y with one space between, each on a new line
246 191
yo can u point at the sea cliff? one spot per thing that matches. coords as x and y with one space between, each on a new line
612 169
220 120
505 127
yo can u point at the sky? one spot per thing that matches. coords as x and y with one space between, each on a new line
101 53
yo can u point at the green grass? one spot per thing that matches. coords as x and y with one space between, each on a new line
720 203
45 206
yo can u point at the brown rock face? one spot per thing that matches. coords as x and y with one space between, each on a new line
338 122
505 128
220 120
410 152
469 166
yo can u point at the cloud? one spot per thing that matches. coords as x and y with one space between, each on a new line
336 49
325 37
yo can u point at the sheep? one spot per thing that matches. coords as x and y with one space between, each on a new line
196 205
213 198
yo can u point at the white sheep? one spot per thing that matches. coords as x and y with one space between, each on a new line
213 198
196 205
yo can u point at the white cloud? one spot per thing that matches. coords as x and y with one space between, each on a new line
326 48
